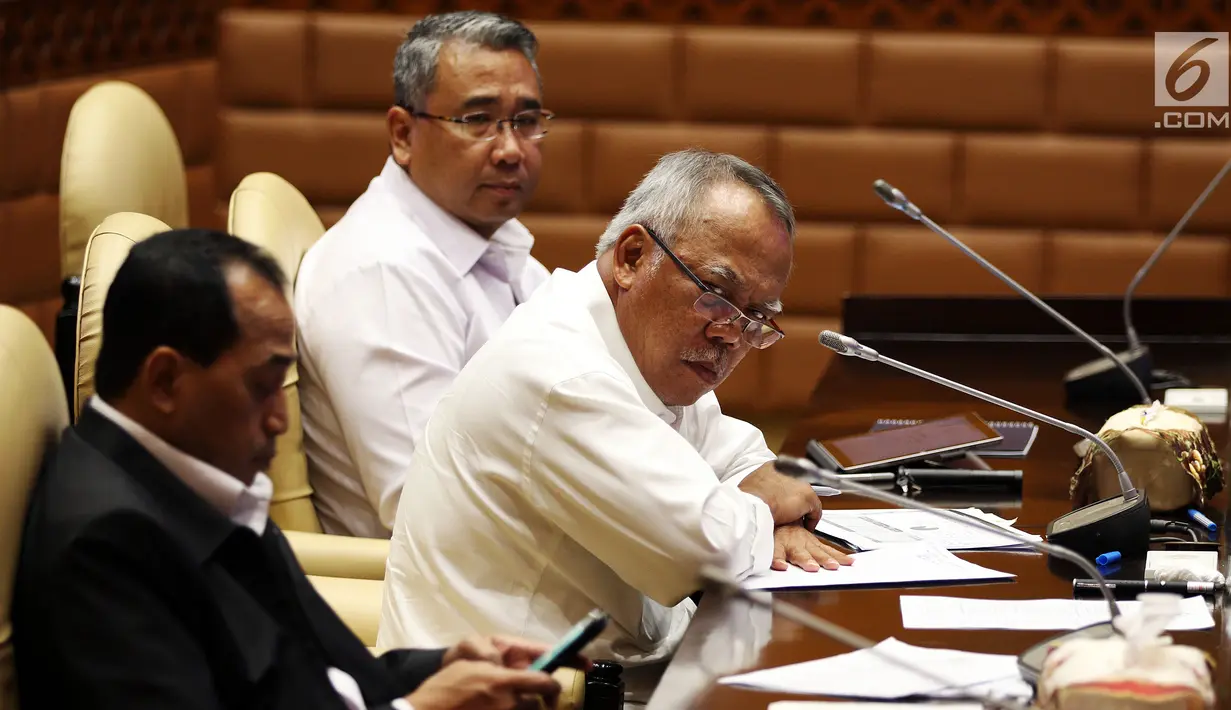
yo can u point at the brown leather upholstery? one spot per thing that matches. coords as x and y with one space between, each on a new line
33 124
1041 150
32 394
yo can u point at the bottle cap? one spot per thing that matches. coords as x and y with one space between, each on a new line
1107 558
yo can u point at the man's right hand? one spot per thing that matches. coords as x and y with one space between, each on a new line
476 685
790 501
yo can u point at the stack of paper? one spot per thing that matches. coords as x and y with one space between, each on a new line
901 565
876 528
926 612
907 672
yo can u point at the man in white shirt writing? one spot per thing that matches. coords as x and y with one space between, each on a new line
424 266
581 460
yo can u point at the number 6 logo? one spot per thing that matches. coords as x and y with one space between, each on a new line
1183 64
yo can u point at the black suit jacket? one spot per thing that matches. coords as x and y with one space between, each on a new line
132 592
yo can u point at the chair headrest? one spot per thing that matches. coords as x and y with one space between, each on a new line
106 250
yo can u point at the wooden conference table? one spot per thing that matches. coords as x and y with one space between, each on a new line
729 635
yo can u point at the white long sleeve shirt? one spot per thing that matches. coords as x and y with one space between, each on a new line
243 505
390 304
551 480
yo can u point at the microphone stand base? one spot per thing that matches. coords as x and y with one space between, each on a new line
1030 662
1109 525
1101 381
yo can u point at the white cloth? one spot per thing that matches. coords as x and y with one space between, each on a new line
390 304
247 506
551 480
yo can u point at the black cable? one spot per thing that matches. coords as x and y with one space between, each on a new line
1158 525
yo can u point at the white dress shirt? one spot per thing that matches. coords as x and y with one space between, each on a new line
551 480
390 304
243 505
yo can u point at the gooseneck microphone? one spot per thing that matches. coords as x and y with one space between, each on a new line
1133 341
723 582
895 199
1121 523
803 468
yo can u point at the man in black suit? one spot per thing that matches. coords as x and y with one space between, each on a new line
150 575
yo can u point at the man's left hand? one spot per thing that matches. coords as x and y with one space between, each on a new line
505 651
796 545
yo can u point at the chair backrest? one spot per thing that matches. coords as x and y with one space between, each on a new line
120 155
105 251
32 397
269 212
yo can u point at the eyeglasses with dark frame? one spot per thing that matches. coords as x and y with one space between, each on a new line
481 126
759 334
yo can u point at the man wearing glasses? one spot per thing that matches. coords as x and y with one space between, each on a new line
581 459
424 266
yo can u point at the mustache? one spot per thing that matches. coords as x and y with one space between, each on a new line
715 357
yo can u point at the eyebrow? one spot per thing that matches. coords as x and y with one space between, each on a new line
726 273
480 101
281 360
487 100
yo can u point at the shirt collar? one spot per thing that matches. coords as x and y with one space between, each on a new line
460 244
243 505
603 312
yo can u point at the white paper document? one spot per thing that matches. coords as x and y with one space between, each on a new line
867 673
928 612
876 528
896 564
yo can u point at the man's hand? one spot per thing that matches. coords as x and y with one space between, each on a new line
790 501
796 545
504 651
476 685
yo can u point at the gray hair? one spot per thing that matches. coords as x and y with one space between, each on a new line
668 195
414 66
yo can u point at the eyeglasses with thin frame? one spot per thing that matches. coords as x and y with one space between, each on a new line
529 125
759 334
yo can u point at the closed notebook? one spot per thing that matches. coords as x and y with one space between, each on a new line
1018 437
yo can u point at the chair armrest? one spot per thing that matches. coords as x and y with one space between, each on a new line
339 555
356 601
572 688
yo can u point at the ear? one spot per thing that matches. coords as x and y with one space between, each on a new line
399 123
630 254
161 375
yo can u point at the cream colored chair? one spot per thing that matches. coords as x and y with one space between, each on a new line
269 212
105 251
32 394
120 155
348 572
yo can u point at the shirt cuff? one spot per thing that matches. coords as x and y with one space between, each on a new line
401 704
763 542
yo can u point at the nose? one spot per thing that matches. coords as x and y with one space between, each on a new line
507 148
731 334
276 420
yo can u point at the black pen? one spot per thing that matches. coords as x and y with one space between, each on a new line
1089 587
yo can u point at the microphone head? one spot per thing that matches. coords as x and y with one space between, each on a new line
890 194
896 199
834 342
793 467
